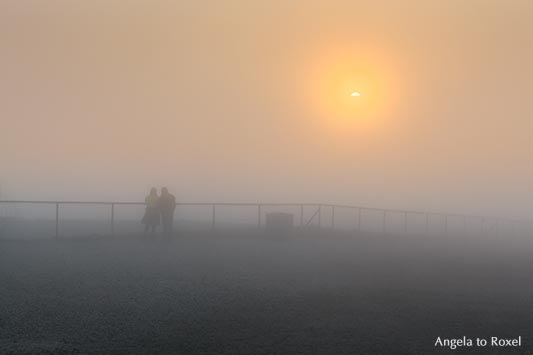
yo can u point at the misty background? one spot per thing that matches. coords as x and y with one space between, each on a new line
250 101
235 101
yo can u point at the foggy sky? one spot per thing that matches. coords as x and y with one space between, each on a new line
235 101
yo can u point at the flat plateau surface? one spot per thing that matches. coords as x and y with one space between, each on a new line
250 292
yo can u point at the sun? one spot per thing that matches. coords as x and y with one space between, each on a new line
353 89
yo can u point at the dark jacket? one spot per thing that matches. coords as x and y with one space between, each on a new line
167 204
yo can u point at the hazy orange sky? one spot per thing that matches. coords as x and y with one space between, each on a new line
249 100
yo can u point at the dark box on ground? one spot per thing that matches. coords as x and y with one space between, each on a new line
279 221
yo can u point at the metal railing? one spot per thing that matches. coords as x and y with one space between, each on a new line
316 216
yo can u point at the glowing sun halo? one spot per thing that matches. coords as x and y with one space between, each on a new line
355 94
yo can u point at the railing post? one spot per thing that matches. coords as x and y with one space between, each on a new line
384 227
359 214
405 222
57 220
333 217
427 223
213 216
446 224
301 215
515 228
112 219
259 216
319 216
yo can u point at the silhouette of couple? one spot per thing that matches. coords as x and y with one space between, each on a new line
159 210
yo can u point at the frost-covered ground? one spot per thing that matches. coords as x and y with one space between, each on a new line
250 293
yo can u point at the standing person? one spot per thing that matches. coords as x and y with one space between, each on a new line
151 214
167 205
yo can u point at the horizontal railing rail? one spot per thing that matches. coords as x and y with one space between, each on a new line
385 212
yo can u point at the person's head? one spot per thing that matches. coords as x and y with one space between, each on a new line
164 191
153 191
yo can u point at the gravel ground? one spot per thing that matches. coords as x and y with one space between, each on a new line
249 293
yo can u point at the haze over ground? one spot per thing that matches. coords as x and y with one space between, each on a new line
248 101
